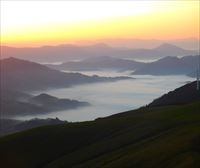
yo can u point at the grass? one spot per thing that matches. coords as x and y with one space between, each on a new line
167 137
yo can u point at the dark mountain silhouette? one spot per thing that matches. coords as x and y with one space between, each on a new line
52 103
25 75
183 95
165 136
99 63
169 66
69 52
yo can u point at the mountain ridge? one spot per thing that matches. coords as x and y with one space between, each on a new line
73 52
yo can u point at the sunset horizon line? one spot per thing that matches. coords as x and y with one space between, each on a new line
98 41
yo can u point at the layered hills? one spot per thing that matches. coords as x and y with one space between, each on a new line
169 65
25 75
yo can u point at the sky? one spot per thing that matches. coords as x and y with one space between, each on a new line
36 23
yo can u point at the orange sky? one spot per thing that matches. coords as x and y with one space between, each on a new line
36 23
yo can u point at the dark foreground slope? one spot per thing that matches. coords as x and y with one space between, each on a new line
9 126
150 137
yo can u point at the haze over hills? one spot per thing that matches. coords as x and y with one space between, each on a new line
19 77
164 136
25 75
68 52
98 63
78 90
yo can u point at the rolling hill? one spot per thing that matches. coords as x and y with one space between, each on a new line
169 66
150 137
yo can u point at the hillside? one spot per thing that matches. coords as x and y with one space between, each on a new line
150 137
25 76
183 95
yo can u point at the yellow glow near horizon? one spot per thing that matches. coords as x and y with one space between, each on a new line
29 23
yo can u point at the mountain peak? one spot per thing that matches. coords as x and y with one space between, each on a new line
99 46
18 64
12 61
167 46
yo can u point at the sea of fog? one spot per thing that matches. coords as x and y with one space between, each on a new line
112 97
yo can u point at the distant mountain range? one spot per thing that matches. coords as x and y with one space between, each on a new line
187 43
64 53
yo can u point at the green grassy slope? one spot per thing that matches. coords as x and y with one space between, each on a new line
167 137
